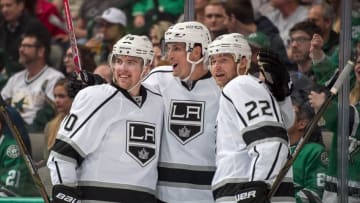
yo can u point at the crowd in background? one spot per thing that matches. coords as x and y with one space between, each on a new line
35 52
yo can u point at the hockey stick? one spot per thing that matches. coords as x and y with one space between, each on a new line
24 152
311 127
71 33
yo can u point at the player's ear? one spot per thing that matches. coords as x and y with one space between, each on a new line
196 52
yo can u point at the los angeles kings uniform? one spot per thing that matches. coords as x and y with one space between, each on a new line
187 157
109 145
252 142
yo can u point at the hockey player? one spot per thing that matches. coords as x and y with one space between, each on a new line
229 56
191 96
107 148
251 142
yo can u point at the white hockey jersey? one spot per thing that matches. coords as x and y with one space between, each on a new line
251 142
28 96
187 157
108 146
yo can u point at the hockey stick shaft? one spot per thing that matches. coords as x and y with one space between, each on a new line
24 152
311 127
71 33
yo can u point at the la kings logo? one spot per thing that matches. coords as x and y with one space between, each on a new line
186 119
141 142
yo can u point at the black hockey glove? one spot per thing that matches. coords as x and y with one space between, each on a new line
253 192
276 74
86 79
65 194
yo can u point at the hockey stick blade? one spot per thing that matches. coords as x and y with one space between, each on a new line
24 152
311 127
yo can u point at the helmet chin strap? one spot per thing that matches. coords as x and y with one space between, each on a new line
193 64
142 76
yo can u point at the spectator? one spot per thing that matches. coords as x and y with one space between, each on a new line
104 71
215 18
89 10
111 26
156 34
310 166
285 15
299 46
322 15
86 60
63 101
14 22
242 20
331 118
31 90
187 156
15 178
154 11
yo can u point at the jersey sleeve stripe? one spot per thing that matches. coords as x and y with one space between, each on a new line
66 149
115 194
241 118
275 162
93 113
275 109
253 170
58 171
264 132
185 176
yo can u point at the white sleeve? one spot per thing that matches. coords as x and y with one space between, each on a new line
287 112
80 134
6 92
267 158
152 81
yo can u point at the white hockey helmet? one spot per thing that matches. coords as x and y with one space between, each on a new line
134 45
190 33
233 43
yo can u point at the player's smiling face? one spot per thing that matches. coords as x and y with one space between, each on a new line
223 68
127 70
176 55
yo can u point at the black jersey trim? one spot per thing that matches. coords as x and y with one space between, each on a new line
253 171
275 162
332 187
241 118
157 71
263 133
153 92
66 149
206 76
185 176
129 97
93 113
274 107
285 189
115 195
58 171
